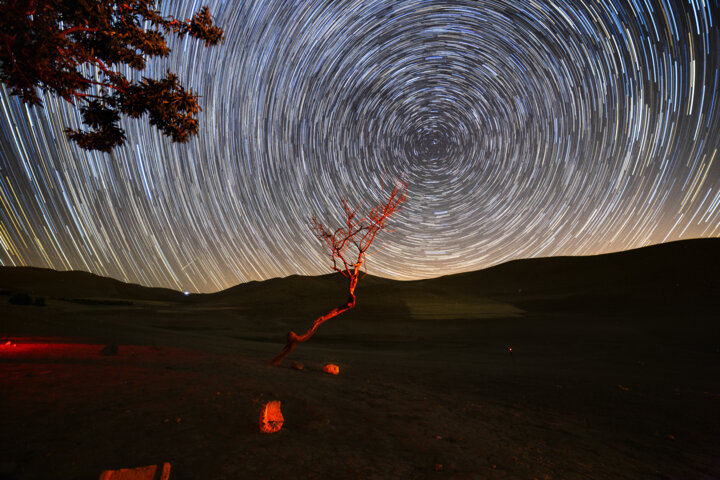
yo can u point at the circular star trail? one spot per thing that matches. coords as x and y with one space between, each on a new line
523 128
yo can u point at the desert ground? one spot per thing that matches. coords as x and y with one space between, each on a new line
603 367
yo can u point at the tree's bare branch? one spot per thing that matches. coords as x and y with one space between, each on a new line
358 233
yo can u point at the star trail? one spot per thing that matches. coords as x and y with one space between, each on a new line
523 128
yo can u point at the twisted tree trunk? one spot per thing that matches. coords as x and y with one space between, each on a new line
293 338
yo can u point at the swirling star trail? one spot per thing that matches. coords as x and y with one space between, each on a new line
525 128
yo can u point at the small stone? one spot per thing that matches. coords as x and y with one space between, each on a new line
110 349
331 368
297 365
271 417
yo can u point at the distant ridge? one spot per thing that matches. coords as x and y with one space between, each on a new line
677 272
683 273
683 258
76 284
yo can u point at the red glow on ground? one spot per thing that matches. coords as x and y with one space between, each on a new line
39 347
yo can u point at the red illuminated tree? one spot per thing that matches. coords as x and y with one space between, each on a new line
81 51
348 246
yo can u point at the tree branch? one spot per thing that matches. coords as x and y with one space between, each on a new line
359 233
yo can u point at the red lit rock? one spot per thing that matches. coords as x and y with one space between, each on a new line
331 368
271 417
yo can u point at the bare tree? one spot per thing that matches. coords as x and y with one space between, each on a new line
348 247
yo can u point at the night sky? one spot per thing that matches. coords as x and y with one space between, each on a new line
524 129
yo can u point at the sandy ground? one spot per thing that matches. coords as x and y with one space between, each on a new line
580 395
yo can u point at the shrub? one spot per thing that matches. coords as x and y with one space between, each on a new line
21 299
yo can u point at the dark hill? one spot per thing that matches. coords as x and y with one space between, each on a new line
682 273
674 275
76 284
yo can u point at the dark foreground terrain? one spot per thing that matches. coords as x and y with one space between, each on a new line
601 367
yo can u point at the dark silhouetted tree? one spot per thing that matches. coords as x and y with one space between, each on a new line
348 246
75 49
